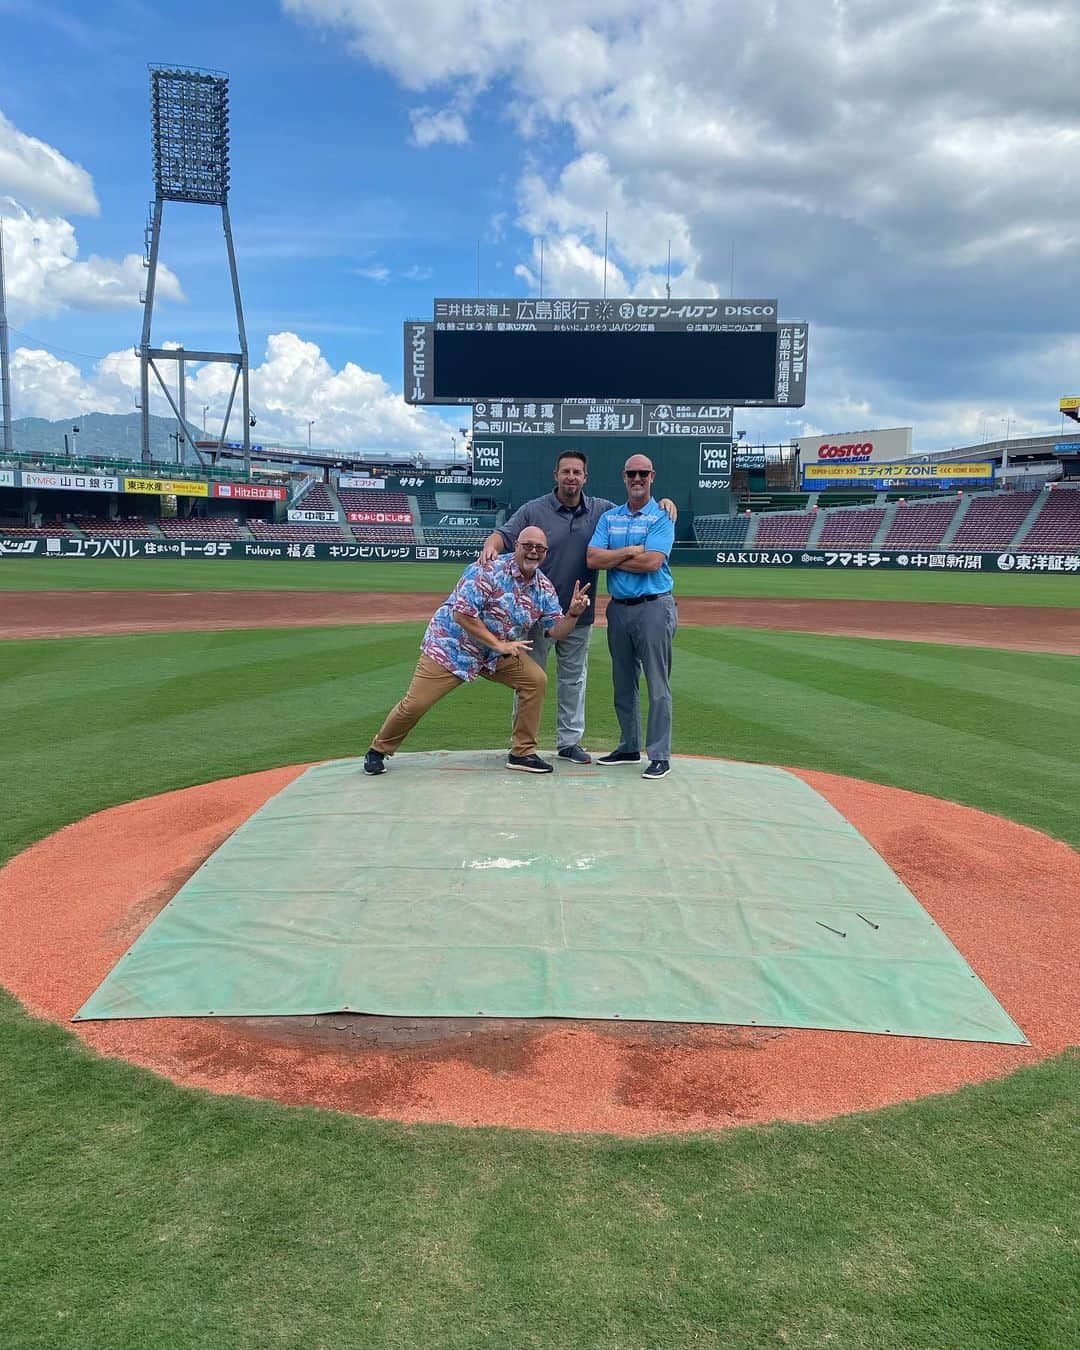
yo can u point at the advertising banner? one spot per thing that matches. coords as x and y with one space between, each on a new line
69 482
592 417
379 517
856 447
166 487
612 315
44 547
7 477
355 480
314 517
249 492
841 560
890 477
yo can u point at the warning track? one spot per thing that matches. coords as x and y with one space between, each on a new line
56 614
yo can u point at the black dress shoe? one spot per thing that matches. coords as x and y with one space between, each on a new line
529 764
621 757
576 754
373 761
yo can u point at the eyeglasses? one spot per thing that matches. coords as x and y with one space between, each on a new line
636 473
533 548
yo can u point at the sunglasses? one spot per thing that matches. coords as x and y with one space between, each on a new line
533 548
636 473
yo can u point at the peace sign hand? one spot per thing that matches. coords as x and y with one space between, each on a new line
579 601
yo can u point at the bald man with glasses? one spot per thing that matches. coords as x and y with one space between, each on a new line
479 632
633 542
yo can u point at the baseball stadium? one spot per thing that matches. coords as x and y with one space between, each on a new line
781 1050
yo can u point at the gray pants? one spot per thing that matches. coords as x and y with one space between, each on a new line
639 639
572 668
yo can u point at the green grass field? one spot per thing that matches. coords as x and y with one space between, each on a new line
156 574
138 1213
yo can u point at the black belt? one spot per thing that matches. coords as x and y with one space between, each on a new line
639 599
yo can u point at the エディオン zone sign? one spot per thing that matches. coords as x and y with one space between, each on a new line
882 477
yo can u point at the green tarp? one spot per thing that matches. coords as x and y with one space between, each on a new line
450 887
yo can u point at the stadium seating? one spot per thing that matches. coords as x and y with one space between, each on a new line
991 522
727 530
124 527
921 524
851 528
1057 526
202 527
35 531
296 533
315 498
785 529
365 499
384 534
463 536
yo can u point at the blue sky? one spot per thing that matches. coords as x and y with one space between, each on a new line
900 175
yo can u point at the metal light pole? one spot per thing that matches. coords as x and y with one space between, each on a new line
206 409
310 424
5 372
1005 449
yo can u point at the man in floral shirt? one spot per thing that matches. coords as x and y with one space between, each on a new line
479 631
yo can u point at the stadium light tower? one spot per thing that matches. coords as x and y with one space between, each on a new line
189 112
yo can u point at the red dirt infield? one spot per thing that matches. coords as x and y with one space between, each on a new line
50 614
1005 894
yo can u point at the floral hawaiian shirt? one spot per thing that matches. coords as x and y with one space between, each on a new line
507 604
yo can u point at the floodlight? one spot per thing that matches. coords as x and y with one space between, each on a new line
190 120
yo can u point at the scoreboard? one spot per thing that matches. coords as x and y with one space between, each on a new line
676 352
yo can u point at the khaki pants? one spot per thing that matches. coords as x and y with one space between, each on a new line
431 682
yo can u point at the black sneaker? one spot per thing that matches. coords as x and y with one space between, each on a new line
529 764
575 754
658 768
374 761
621 757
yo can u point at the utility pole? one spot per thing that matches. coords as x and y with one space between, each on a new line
5 370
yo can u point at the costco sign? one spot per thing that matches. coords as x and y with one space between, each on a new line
857 447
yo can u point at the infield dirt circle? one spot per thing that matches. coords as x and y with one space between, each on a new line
1006 895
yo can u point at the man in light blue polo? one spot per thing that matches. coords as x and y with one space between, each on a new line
633 542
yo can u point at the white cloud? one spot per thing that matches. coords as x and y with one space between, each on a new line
353 409
432 125
40 177
901 175
45 275
376 272
44 386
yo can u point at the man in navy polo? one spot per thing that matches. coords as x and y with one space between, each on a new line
568 519
634 542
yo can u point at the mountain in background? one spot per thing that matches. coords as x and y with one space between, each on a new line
99 434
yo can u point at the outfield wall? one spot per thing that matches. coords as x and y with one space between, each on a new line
263 550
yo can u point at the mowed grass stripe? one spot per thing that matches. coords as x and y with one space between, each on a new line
904 679
213 705
154 574
761 700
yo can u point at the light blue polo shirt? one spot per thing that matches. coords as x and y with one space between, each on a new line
650 526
